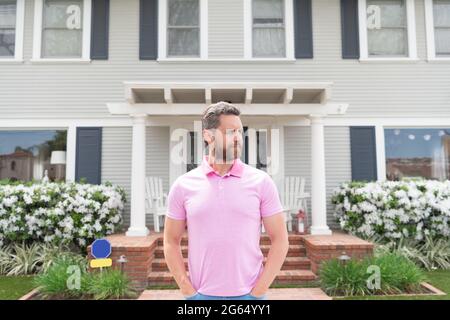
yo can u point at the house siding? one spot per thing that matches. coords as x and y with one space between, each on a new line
297 141
116 160
415 89
225 29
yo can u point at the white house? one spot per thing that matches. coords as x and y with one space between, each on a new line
330 90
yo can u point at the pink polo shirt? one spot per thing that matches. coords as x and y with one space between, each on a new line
223 216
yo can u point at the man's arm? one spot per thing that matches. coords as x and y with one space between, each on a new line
173 232
275 226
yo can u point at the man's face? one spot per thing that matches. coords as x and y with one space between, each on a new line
228 139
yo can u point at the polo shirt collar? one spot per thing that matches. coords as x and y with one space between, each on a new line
235 170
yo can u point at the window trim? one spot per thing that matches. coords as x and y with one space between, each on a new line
37 35
19 31
411 30
162 33
289 32
429 25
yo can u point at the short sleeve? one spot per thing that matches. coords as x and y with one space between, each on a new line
175 202
270 199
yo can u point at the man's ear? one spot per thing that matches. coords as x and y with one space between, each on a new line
208 136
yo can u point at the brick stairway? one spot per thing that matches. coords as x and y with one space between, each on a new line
295 270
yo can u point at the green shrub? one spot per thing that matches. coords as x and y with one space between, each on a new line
397 275
339 280
109 284
21 259
24 259
5 259
61 275
411 209
59 213
431 254
59 281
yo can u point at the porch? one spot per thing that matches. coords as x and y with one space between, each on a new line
267 106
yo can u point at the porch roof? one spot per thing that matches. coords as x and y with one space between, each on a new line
252 98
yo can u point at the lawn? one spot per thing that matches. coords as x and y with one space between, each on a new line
439 279
12 288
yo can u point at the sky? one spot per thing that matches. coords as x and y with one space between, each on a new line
10 139
407 143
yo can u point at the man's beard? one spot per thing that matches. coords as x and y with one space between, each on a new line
230 154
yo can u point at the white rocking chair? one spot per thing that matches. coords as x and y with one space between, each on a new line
293 198
155 199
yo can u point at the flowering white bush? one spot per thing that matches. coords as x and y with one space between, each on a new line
59 213
394 209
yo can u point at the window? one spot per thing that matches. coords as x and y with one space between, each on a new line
258 146
192 161
417 153
62 29
437 14
268 34
11 29
28 155
268 29
387 29
184 29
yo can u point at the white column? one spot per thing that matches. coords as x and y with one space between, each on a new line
318 182
137 214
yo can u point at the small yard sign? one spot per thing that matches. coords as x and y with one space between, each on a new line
101 250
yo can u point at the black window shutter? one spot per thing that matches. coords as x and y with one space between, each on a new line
303 33
363 153
350 29
100 29
148 30
89 154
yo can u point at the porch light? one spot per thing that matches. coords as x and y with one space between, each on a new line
344 258
122 260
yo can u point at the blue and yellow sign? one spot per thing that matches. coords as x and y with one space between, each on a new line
101 250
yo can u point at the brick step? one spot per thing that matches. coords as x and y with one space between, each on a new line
157 278
290 263
295 250
265 239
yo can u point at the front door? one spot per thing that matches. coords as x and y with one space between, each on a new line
254 149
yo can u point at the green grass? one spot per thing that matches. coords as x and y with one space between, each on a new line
12 288
439 279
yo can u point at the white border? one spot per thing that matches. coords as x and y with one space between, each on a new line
411 25
37 35
289 32
429 23
18 46
162 33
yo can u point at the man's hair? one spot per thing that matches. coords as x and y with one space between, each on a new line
211 116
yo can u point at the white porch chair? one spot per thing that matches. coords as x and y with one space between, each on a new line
293 198
155 199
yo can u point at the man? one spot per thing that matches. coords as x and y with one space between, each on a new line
222 202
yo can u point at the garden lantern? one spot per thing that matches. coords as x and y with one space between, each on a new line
301 221
122 260
344 258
